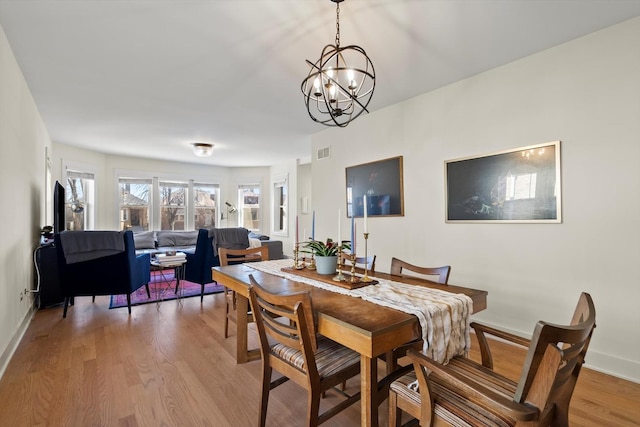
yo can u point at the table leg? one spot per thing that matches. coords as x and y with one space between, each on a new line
369 391
242 308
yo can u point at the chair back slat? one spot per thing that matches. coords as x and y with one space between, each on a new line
238 256
288 316
442 273
282 328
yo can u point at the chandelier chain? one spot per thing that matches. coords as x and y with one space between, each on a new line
337 24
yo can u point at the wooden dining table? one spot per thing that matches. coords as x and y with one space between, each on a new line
365 327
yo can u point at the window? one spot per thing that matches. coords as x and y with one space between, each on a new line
135 197
205 204
152 203
280 205
80 200
249 206
173 196
521 187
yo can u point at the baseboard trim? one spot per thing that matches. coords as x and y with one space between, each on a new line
15 341
624 369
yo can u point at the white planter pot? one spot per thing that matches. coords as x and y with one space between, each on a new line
326 264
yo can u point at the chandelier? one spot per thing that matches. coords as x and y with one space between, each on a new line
340 83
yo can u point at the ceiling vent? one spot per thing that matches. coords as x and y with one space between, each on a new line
324 153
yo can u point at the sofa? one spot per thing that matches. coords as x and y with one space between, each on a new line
201 247
153 242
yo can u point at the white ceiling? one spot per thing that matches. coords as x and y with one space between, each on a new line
147 77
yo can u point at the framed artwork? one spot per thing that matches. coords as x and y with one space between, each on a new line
381 182
519 185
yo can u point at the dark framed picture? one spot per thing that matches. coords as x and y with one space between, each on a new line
381 183
519 185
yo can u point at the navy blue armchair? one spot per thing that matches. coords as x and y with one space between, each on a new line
199 263
94 263
205 256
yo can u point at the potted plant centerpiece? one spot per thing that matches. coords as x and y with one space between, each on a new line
325 254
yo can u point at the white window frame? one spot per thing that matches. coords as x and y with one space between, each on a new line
240 203
280 181
119 206
91 202
154 202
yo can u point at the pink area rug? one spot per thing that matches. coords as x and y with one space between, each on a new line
162 288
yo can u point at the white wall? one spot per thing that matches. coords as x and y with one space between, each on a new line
23 139
585 93
304 189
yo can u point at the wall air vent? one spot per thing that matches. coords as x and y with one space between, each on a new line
324 153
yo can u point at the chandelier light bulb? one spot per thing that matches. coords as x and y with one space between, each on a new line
316 87
350 78
332 93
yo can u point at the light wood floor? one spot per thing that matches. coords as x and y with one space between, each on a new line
169 365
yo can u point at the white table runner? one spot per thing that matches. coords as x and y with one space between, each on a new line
444 316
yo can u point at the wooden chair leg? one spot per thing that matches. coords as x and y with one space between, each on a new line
313 409
395 415
264 400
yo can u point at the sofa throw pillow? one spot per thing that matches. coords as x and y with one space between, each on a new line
144 240
258 236
177 238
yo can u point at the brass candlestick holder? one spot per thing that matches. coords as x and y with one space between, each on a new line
339 277
312 264
354 278
366 277
296 257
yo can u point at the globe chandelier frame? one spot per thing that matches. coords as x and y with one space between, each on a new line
340 84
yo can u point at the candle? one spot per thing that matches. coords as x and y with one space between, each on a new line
353 234
297 240
339 230
304 234
364 201
313 226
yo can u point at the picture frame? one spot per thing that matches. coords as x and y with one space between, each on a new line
382 182
522 185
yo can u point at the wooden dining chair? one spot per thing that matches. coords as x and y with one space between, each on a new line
312 361
397 266
238 256
443 272
361 262
464 392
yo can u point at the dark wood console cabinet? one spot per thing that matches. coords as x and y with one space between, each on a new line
47 265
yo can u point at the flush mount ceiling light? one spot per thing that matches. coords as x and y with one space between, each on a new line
340 84
202 149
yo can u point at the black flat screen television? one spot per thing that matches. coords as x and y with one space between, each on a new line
58 208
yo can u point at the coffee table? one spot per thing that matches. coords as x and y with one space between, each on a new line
178 275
